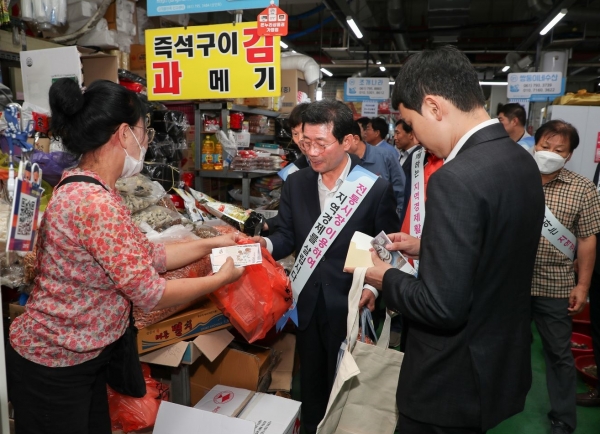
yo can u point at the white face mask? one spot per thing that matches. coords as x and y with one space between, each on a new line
131 166
549 162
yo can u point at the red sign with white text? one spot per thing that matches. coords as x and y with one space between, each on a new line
272 22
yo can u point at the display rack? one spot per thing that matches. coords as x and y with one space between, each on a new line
225 108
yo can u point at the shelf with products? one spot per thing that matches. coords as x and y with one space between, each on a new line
221 111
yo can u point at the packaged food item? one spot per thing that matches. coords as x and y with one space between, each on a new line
138 185
157 217
247 221
208 151
137 203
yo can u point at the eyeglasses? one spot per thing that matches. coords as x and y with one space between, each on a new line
150 132
319 146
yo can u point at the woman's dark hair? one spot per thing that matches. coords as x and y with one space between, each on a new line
559 128
85 121
444 72
295 118
327 112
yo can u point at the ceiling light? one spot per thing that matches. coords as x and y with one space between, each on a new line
283 44
294 51
378 62
493 83
354 27
327 72
392 82
382 68
559 16
506 68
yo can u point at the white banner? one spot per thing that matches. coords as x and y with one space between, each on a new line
417 203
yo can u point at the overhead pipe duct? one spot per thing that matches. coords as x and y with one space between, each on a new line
396 20
306 64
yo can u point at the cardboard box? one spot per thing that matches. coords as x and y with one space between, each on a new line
266 103
263 414
137 57
14 310
292 81
41 68
247 369
210 345
200 319
281 377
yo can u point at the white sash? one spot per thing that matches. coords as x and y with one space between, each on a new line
417 202
558 235
329 224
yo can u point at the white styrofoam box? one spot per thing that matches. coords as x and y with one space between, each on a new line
272 414
175 418
100 38
81 10
225 400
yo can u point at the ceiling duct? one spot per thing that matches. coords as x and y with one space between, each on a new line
518 63
396 20
447 14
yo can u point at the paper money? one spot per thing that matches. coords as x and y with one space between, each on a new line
242 255
395 259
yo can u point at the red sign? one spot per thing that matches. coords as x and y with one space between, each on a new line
223 397
597 157
272 22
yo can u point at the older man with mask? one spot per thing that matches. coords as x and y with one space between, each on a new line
571 222
467 365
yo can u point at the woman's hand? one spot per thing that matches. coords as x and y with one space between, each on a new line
225 240
229 273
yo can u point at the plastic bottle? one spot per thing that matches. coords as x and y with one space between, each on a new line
218 155
208 150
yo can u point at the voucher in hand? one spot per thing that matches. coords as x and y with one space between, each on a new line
395 259
242 255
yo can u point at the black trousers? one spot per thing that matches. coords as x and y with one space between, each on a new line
317 350
409 426
67 400
595 318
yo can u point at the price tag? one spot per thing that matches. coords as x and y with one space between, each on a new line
272 22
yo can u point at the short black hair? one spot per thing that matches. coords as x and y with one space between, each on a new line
355 129
295 118
407 128
86 121
559 128
379 124
332 112
514 110
444 72
363 121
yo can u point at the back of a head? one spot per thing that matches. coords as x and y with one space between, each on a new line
514 110
295 117
558 128
355 129
379 124
326 112
363 121
444 72
86 121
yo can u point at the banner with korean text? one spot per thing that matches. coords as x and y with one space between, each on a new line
210 62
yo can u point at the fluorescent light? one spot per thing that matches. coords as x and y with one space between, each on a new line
378 62
327 72
319 94
354 27
559 16
294 51
283 44
506 68
493 83
392 82
382 68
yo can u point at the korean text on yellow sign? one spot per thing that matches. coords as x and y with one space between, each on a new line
205 62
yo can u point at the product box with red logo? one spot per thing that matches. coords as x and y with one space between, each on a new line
216 414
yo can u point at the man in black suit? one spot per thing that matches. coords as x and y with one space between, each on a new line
323 304
468 362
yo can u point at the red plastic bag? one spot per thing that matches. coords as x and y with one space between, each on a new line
258 299
131 414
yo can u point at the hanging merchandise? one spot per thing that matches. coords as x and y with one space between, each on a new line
45 13
15 135
272 21
25 208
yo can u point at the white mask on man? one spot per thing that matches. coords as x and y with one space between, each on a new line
131 166
549 162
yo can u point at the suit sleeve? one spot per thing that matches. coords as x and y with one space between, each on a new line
452 238
398 181
283 238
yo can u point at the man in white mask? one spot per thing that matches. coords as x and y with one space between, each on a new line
572 219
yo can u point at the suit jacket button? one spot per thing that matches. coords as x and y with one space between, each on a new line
323 259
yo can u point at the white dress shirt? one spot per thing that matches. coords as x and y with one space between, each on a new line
466 137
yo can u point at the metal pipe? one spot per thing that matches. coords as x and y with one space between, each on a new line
361 64
418 51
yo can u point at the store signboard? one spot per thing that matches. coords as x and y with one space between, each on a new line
369 109
174 7
209 62
363 89
535 85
